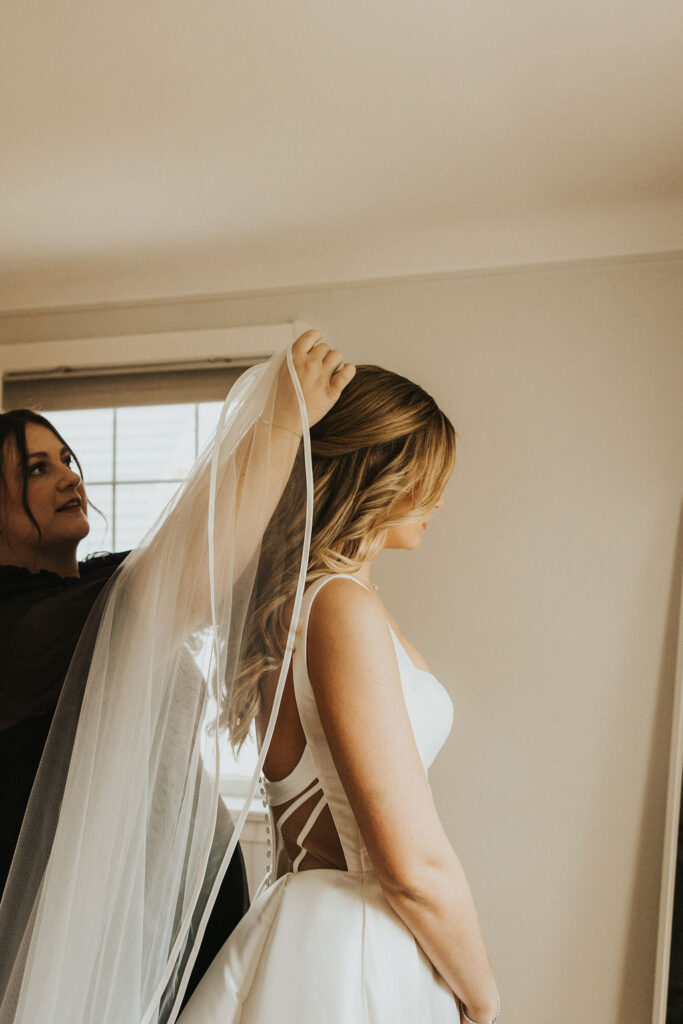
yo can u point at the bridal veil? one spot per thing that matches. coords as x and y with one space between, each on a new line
120 856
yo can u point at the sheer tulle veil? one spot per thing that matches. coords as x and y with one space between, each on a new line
120 856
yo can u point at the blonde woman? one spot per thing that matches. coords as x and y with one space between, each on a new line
366 915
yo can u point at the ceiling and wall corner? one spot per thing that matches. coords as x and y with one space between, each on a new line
159 150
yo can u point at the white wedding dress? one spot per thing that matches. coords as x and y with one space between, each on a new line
323 946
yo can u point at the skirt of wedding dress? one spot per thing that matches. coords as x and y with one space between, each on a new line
321 947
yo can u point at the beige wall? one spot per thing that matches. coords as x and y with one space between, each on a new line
545 596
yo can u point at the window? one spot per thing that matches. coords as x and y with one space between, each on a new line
133 460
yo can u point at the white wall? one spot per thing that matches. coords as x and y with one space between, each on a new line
545 596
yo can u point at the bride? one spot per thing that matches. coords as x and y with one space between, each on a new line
367 914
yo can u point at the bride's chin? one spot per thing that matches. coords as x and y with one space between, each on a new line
406 541
411 544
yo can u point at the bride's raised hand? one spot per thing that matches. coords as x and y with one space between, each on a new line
323 375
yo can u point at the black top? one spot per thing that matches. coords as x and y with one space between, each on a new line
41 618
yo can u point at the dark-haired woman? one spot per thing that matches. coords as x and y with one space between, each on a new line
46 596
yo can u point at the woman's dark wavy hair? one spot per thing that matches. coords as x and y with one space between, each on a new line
13 431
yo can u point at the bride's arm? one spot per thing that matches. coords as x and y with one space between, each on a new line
355 678
269 450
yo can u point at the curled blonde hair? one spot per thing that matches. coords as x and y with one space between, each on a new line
383 439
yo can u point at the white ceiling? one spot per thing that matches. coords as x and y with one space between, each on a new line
169 147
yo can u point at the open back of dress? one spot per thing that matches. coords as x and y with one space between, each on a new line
313 824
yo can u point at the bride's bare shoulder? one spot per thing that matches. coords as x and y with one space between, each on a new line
343 602
347 627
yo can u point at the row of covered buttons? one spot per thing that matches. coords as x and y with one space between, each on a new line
269 845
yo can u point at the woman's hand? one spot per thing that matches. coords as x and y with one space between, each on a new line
322 375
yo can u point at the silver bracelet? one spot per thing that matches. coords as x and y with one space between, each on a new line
278 426
469 1019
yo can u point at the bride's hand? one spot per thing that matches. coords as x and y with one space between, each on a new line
322 375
